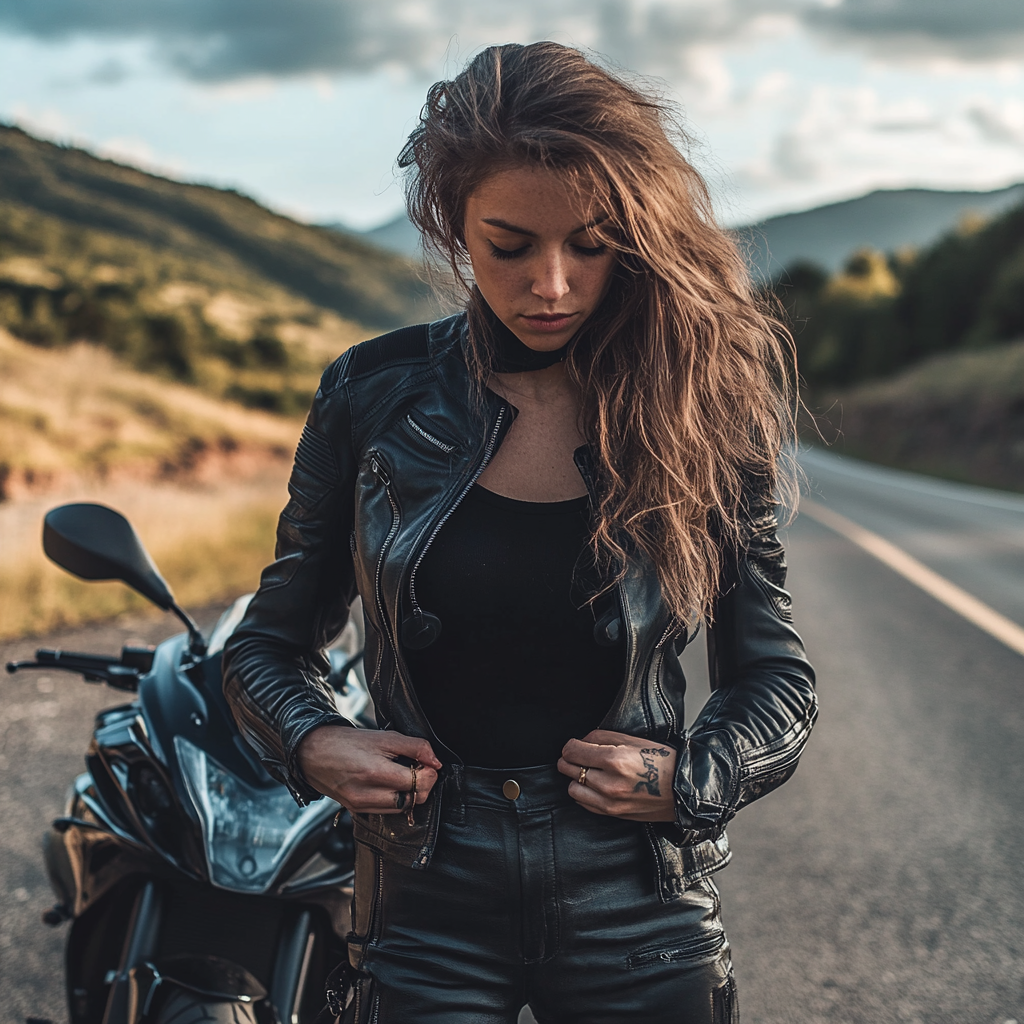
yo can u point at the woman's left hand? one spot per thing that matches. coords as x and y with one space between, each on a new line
626 777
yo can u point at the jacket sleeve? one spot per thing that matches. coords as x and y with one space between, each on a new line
274 663
750 734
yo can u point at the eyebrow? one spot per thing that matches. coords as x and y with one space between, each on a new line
497 222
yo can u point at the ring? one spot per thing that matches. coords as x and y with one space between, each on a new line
400 797
582 780
410 819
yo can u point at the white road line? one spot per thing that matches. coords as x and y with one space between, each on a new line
952 596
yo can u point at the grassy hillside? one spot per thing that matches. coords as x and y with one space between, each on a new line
218 227
230 332
958 415
202 480
80 415
197 284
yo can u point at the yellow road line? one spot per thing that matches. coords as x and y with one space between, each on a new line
952 596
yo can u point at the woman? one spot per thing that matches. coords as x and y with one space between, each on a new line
538 500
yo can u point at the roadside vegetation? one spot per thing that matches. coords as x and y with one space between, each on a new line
959 415
941 328
884 312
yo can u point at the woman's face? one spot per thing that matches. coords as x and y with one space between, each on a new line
535 257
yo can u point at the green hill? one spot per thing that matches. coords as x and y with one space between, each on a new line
200 284
883 312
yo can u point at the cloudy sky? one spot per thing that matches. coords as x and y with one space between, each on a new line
304 103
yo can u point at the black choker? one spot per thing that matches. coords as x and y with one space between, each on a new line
510 354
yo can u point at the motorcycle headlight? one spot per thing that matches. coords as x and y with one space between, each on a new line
247 832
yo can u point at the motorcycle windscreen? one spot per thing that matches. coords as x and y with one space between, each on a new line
248 833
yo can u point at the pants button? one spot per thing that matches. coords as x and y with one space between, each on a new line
511 789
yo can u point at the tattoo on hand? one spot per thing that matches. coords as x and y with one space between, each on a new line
649 776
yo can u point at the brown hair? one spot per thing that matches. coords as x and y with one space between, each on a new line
687 386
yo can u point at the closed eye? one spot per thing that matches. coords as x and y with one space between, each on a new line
506 254
585 250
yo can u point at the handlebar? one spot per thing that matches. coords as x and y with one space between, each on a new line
120 673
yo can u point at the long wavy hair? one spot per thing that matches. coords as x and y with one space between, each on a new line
687 385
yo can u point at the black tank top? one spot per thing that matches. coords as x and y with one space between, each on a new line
516 670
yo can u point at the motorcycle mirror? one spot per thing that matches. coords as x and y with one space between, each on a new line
95 542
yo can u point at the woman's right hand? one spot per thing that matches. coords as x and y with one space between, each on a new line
356 767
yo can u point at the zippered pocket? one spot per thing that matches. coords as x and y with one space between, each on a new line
421 431
700 950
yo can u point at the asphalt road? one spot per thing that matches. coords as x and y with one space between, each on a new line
884 882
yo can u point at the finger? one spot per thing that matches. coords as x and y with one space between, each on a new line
378 801
591 754
399 777
412 746
606 737
596 778
588 798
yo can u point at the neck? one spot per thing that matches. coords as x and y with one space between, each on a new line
508 354
541 385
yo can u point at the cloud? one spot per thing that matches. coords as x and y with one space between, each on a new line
218 40
845 140
998 123
967 29
228 40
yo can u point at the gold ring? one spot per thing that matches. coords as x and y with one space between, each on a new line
582 780
412 798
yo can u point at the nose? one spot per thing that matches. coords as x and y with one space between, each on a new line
550 283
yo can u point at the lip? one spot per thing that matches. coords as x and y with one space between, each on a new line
549 321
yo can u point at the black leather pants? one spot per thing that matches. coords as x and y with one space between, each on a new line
534 900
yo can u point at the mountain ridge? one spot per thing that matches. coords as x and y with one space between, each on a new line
884 219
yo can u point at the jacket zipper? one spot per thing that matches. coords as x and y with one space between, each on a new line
659 657
488 453
377 466
436 441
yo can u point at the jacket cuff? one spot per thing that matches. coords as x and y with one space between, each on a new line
705 786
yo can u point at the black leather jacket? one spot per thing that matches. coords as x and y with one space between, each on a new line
393 441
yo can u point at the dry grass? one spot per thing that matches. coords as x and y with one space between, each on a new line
78 415
202 481
210 543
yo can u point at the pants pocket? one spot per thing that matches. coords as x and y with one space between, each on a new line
701 949
363 1008
725 1008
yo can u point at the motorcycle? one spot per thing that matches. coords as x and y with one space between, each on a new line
196 887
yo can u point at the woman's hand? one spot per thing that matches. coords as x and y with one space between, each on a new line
356 767
626 777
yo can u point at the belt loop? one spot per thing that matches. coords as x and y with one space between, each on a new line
455 794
